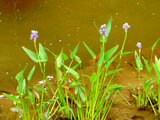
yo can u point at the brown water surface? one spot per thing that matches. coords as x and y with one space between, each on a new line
63 23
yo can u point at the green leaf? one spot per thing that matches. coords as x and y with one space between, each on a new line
138 61
108 26
154 97
20 74
115 87
13 98
37 95
33 56
41 89
59 60
110 61
67 107
85 75
156 70
154 45
146 64
75 66
101 58
74 83
76 90
90 51
31 98
26 107
77 59
64 56
70 70
73 53
51 52
61 97
126 52
112 71
110 52
82 95
42 54
31 73
21 88
132 87
93 78
82 88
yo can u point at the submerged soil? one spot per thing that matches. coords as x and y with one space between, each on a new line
120 110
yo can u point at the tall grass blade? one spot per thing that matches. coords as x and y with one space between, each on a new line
154 45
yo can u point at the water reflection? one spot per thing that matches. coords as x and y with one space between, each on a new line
63 23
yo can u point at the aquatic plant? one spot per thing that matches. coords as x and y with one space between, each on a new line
141 99
20 101
74 99
145 90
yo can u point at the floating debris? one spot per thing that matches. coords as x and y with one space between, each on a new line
14 109
50 77
50 44
153 14
1 96
41 82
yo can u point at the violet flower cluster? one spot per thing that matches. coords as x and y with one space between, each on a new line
126 26
103 30
34 35
139 45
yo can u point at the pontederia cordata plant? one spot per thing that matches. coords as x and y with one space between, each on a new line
38 101
72 99
145 89
101 97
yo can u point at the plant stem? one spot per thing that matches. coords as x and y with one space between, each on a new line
124 41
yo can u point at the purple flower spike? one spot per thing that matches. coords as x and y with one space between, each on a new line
139 45
103 30
126 26
34 34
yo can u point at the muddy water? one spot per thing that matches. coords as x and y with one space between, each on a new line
63 23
